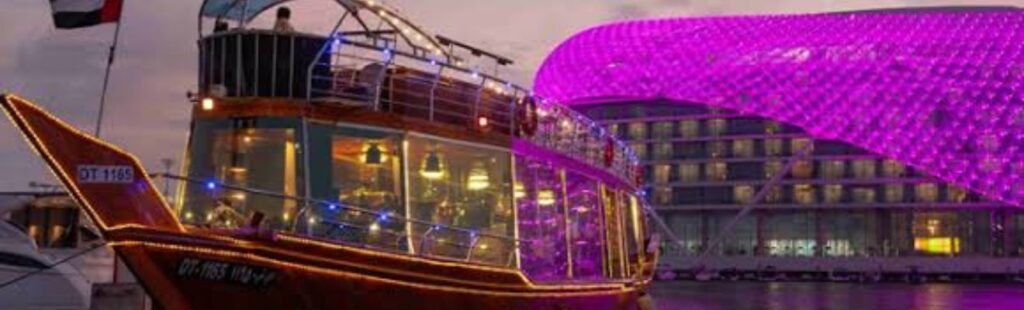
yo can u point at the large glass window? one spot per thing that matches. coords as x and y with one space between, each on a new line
640 148
743 148
864 168
803 169
661 130
256 154
717 171
464 186
955 193
799 144
365 172
662 151
689 172
615 262
542 220
833 193
717 126
743 194
894 193
833 169
864 195
804 194
773 147
586 226
689 128
662 195
717 149
771 168
637 131
926 192
661 173
893 169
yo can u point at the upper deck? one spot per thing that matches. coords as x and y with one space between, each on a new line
387 138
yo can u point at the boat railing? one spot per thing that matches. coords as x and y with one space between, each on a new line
412 85
331 221
332 70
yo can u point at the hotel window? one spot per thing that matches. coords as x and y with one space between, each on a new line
833 169
771 127
926 192
717 171
662 151
662 195
717 127
613 129
955 194
803 169
637 131
772 147
894 193
661 130
771 168
661 173
717 149
689 128
833 193
893 169
775 195
799 144
689 172
743 148
803 194
864 195
640 149
864 168
743 193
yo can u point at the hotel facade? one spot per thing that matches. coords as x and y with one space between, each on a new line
903 128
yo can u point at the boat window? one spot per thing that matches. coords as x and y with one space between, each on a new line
463 186
17 260
365 172
244 153
586 227
614 262
540 194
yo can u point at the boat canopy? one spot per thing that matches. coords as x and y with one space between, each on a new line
240 10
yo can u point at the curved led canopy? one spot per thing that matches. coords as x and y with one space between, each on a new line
936 89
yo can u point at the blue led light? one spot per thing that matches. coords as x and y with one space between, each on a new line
211 185
383 217
333 207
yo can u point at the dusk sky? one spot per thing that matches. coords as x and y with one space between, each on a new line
147 108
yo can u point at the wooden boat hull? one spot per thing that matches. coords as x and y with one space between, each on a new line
189 268
198 273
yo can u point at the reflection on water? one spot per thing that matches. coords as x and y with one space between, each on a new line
808 295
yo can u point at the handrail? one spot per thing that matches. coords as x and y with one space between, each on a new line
387 215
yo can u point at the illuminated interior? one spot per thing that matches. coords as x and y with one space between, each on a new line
417 194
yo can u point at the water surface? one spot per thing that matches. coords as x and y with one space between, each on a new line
812 295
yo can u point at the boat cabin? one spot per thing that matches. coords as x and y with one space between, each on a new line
392 140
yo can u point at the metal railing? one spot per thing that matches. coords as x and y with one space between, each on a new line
371 74
356 226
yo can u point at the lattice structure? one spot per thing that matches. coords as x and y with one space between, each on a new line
939 90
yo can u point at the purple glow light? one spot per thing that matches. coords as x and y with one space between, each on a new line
937 90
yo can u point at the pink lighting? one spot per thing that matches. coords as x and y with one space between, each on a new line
938 90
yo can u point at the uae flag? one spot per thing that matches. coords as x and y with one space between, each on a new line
69 14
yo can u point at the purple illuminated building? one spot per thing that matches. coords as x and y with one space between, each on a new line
912 120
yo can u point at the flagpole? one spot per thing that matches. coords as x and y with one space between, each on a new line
106 76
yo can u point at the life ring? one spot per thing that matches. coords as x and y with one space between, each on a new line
609 152
528 117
